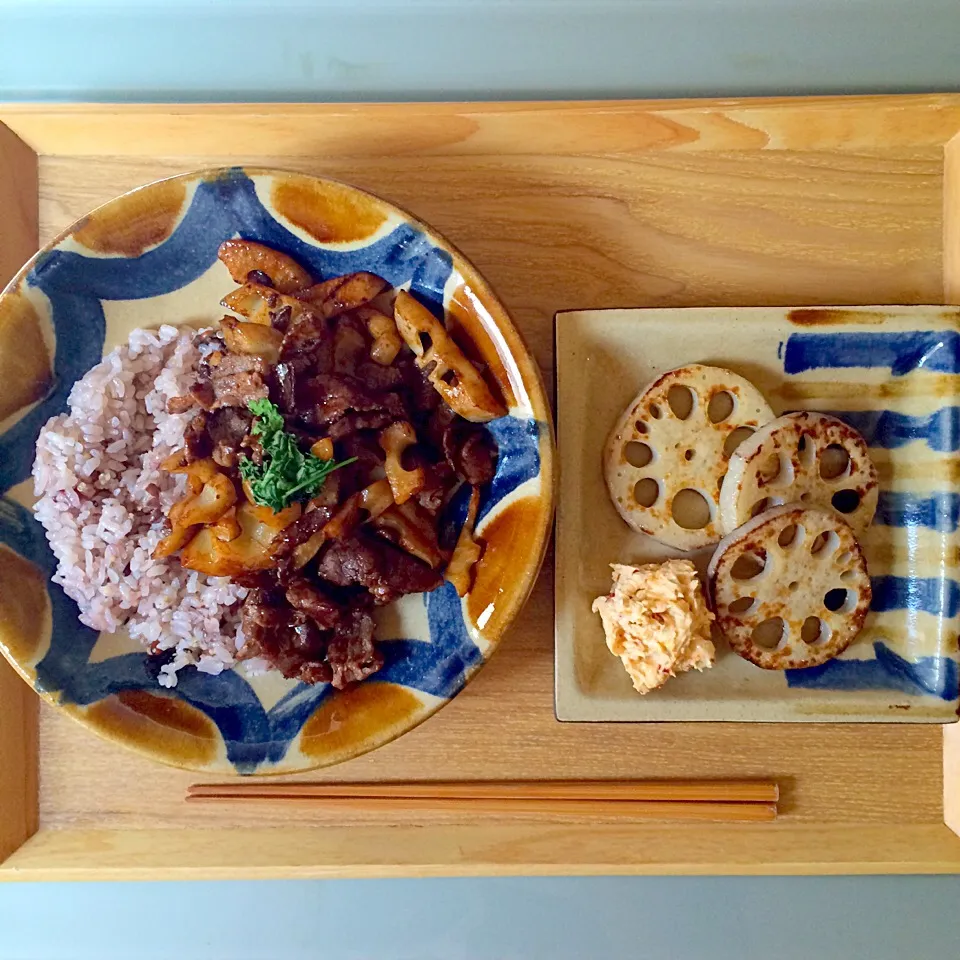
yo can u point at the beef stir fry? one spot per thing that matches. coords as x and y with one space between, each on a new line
331 431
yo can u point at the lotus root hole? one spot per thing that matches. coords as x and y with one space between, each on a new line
793 585
735 439
845 501
844 558
646 492
834 462
720 407
825 543
769 470
814 630
765 504
681 401
837 599
769 634
806 452
848 575
655 411
790 536
410 458
688 455
741 605
747 566
642 428
690 509
638 454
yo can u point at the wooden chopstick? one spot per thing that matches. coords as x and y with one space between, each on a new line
738 812
720 800
718 791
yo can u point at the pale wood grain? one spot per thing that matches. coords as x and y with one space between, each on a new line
951 294
18 705
951 221
19 790
560 207
487 849
18 203
746 791
863 124
951 777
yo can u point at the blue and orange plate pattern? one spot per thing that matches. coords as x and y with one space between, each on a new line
892 373
150 257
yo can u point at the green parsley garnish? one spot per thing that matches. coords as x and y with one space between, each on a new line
287 473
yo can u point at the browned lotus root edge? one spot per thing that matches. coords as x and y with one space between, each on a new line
789 460
793 586
685 456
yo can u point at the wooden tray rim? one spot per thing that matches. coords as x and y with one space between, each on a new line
35 852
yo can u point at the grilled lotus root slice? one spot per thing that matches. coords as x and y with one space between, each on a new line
667 455
808 457
790 587
443 363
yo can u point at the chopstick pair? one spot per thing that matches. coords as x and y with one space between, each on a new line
730 800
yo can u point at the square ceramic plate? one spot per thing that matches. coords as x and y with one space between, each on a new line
891 372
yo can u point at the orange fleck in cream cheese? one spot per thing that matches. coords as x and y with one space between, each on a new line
656 621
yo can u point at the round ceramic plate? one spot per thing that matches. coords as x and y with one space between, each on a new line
150 257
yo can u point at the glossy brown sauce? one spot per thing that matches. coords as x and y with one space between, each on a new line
510 532
133 223
164 726
25 373
329 212
23 606
475 341
356 715
819 316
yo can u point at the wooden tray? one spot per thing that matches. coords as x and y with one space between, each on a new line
561 206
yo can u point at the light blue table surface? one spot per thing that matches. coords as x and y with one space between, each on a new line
475 49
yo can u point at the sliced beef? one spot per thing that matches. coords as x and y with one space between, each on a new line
227 428
301 530
308 639
378 377
351 423
476 459
423 396
385 570
315 671
470 450
286 378
262 611
331 396
352 654
435 426
438 481
349 562
293 640
308 598
305 336
288 638
238 389
237 363
252 448
364 447
280 319
202 392
196 440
